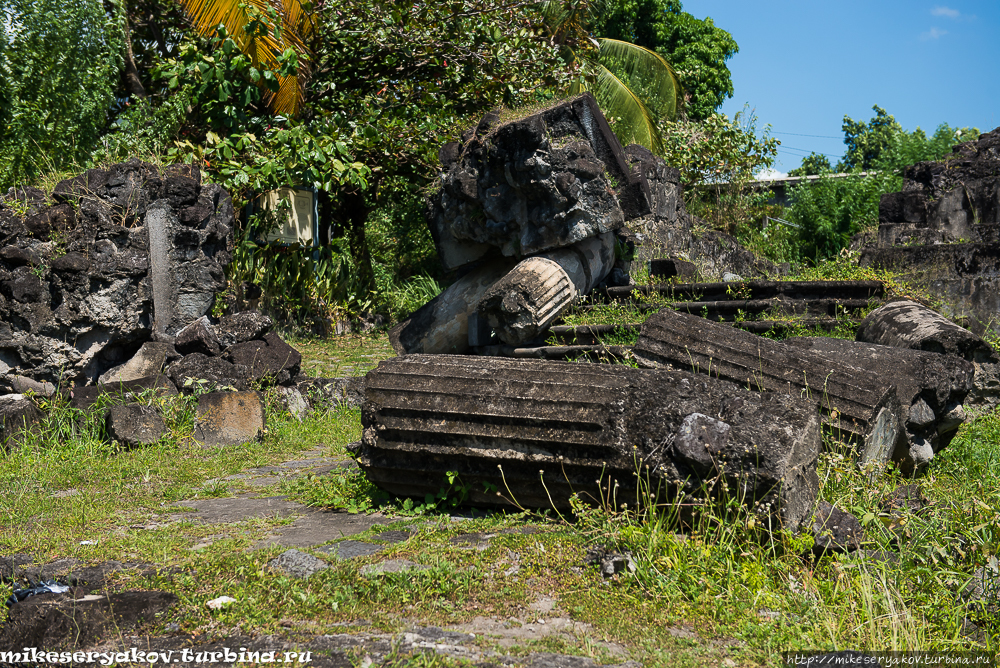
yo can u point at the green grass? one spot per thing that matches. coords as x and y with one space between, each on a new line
348 355
722 590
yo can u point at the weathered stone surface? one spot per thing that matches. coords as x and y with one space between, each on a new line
271 358
17 414
930 387
215 370
75 619
667 227
332 392
92 303
717 253
293 401
14 384
905 499
197 337
149 360
982 593
133 425
907 324
229 418
521 305
942 231
859 407
672 268
442 324
545 181
121 392
540 431
835 530
297 564
242 327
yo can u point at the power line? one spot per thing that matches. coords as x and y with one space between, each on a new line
795 134
806 151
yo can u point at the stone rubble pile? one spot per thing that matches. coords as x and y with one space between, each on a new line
713 409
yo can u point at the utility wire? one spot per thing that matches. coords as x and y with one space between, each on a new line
795 134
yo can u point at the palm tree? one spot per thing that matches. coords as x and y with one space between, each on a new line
268 32
634 86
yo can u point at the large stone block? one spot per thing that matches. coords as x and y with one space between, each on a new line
858 407
229 418
86 280
532 184
930 387
534 433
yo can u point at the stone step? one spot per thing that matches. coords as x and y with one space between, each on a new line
748 290
593 335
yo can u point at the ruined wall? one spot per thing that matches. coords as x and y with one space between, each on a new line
114 254
941 231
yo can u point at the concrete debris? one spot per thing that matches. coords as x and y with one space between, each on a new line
297 564
835 530
533 184
930 387
229 418
134 425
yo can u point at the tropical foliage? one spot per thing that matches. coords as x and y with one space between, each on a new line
59 65
696 49
272 34
634 85
830 211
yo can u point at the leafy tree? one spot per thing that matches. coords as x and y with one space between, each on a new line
397 80
866 141
830 211
718 158
814 163
272 34
60 62
696 48
634 86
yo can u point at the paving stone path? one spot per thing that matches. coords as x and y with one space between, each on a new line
313 538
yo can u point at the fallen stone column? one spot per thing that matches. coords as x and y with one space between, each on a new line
859 406
442 324
532 433
930 388
907 324
522 304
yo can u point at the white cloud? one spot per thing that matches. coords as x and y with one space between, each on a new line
946 11
933 33
770 173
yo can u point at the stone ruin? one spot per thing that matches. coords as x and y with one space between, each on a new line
942 232
532 214
106 288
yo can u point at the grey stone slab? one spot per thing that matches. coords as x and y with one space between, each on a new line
298 564
349 549
318 526
230 510
393 536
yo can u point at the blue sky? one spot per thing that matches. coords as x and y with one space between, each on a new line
804 64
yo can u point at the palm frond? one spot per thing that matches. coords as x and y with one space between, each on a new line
634 123
642 66
263 49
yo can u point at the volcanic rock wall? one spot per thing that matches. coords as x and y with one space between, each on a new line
115 255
